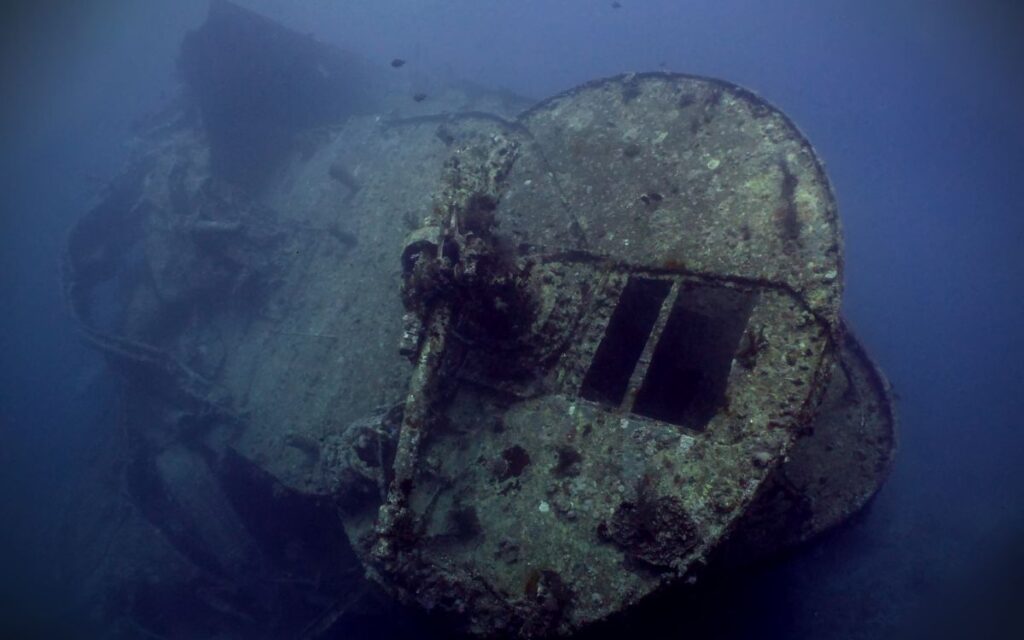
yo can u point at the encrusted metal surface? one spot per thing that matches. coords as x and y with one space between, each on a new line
832 471
686 236
621 307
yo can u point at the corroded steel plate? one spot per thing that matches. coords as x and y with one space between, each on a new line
671 258
832 472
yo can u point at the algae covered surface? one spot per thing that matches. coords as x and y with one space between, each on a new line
519 364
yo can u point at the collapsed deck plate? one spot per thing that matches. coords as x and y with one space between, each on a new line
833 471
674 247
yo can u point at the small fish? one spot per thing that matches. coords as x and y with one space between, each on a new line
420 97
397 62
652 199
616 5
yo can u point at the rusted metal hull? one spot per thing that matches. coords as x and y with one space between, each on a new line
622 309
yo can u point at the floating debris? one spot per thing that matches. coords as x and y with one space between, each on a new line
419 97
397 63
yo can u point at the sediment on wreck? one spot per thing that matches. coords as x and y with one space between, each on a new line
625 322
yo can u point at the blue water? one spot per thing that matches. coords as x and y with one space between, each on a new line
915 107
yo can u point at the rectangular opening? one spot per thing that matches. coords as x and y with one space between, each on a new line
624 339
689 371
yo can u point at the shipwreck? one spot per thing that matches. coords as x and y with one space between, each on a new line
518 364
